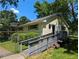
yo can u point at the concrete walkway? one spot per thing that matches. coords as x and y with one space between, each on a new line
4 52
15 56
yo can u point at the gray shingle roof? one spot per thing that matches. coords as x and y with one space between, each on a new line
43 18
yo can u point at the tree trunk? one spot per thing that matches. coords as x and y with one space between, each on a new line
73 13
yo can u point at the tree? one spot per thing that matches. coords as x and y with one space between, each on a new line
23 20
5 3
42 9
66 7
6 17
45 8
72 5
74 14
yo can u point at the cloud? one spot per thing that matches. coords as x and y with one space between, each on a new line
14 10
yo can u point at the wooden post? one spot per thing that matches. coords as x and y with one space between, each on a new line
29 45
20 47
29 49
47 43
40 45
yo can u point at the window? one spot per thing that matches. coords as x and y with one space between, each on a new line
49 26
33 27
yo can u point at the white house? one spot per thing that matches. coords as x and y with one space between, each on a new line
47 27
50 24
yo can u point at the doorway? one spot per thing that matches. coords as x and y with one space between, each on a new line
53 29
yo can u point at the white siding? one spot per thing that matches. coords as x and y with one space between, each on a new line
46 29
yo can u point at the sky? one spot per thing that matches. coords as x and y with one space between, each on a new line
25 8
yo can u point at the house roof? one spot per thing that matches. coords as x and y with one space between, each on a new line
36 21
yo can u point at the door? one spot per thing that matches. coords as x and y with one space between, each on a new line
53 29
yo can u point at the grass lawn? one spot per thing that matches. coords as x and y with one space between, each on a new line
73 37
55 54
60 53
11 46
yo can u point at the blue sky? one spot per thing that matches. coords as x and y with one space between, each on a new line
25 8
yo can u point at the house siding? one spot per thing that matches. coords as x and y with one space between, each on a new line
43 27
46 29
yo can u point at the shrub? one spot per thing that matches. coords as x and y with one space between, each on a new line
18 37
32 34
23 36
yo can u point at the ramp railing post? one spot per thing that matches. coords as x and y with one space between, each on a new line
21 47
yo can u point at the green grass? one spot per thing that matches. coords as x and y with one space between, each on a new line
61 54
54 54
73 37
11 46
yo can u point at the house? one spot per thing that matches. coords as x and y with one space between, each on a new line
50 29
50 24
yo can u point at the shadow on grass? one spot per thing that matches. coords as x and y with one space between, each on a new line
70 44
3 39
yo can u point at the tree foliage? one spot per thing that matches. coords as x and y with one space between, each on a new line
66 7
45 8
6 3
6 17
23 20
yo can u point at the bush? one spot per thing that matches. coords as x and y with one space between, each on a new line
23 36
18 37
32 34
